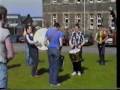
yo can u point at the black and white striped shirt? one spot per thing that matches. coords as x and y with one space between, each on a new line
77 38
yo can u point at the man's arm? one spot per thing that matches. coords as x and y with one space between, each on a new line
9 48
95 39
30 41
70 42
83 41
61 42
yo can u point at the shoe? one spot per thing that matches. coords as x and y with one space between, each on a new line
74 73
79 73
102 62
35 75
58 84
54 85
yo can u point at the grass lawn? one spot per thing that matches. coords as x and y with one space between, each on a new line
94 76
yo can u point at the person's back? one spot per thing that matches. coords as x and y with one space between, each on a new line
53 36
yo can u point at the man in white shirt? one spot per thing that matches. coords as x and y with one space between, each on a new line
6 49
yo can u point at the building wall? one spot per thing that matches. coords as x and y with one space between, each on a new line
72 8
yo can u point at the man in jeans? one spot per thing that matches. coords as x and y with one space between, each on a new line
54 37
6 49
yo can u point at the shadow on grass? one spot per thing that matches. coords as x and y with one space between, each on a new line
64 77
106 61
83 69
41 61
42 71
13 66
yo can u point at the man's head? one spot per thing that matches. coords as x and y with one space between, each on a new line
77 27
57 25
3 13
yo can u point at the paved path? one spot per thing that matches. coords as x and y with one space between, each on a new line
86 49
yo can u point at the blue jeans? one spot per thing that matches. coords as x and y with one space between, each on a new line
53 57
27 54
101 49
3 76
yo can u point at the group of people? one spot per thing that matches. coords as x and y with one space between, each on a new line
55 38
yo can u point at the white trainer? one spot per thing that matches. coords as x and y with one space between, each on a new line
74 73
79 73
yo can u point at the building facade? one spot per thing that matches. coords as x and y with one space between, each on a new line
88 13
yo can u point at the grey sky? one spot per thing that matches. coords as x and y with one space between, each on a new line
24 7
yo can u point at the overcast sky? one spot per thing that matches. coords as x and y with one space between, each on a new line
24 7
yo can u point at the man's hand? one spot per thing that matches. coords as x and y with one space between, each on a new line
79 46
38 44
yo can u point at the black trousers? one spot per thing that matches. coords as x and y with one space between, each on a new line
76 66
80 54
101 49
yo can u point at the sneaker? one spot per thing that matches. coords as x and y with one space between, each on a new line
35 75
54 85
74 73
58 84
79 73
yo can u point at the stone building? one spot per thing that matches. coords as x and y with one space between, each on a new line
88 13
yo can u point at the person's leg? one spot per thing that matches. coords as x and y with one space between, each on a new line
27 54
34 70
103 54
34 55
79 68
74 68
50 60
99 49
80 54
56 55
3 76
61 59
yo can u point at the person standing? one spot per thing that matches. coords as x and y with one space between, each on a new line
6 49
61 58
33 54
77 41
54 37
100 37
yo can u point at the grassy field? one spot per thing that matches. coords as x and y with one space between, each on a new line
94 76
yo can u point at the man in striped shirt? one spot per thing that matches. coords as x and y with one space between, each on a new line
77 41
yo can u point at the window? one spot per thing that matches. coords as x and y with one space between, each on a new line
99 20
99 1
54 19
111 23
78 1
91 21
91 1
77 18
54 1
65 1
66 20
113 0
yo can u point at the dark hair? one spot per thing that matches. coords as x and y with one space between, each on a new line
57 25
3 12
77 25
27 26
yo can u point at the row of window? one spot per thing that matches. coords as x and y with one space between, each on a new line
66 19
81 1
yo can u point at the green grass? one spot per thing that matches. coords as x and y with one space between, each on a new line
94 76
